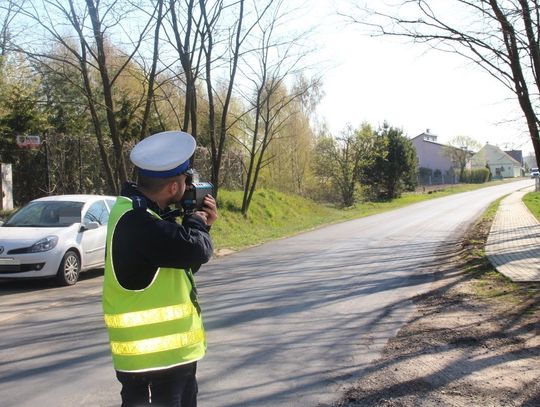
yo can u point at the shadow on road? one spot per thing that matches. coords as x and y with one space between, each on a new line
459 349
319 316
15 286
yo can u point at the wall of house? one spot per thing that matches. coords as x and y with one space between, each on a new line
500 164
431 155
505 170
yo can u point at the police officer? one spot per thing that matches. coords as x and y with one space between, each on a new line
149 294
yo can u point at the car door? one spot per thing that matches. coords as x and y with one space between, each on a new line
93 240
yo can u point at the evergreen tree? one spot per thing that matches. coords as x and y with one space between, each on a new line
394 171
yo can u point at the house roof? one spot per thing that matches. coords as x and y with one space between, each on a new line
494 154
433 142
516 155
427 141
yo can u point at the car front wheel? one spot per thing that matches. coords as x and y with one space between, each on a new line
70 267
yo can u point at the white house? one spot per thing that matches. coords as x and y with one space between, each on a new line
500 164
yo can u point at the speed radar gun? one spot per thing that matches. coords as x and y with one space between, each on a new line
167 154
194 195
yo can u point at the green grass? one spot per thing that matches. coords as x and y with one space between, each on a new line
491 210
532 201
493 284
273 215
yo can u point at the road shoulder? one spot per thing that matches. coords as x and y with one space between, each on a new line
460 348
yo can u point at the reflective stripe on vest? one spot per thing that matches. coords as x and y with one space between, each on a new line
152 345
150 316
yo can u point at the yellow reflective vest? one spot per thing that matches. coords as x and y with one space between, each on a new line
154 328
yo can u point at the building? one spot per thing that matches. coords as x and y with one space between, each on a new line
516 155
500 163
431 154
434 163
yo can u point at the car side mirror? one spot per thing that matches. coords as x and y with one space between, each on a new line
89 226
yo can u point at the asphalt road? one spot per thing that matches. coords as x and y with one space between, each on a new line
290 323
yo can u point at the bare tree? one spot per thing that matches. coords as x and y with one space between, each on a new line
186 22
168 99
236 38
290 170
8 12
40 14
278 58
153 71
460 149
501 36
108 78
91 51
217 134
209 38
83 61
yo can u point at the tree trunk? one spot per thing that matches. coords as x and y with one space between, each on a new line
183 48
107 92
83 61
208 48
152 75
252 154
264 145
217 153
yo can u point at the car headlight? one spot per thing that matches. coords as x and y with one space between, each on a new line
43 245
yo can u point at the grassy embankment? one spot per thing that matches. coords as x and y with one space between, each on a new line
487 281
273 215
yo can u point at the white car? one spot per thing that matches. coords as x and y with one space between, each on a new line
56 236
534 173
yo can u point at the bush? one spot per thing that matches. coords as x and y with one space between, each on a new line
476 176
424 172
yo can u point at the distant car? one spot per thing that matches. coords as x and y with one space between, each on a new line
534 172
56 236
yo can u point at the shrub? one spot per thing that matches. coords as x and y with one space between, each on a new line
476 176
424 172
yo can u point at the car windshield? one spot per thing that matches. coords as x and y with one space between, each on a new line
47 214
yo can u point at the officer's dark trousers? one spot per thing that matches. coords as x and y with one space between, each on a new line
174 387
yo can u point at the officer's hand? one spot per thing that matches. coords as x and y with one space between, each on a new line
209 211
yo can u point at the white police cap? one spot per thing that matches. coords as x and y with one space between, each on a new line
163 155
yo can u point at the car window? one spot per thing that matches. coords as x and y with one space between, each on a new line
110 203
97 212
46 214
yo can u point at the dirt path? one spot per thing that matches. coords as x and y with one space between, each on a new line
474 342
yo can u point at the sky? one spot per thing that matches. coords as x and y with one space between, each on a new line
377 79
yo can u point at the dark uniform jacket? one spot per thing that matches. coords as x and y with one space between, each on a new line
142 243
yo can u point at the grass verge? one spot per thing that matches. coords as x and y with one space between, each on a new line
532 201
486 281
